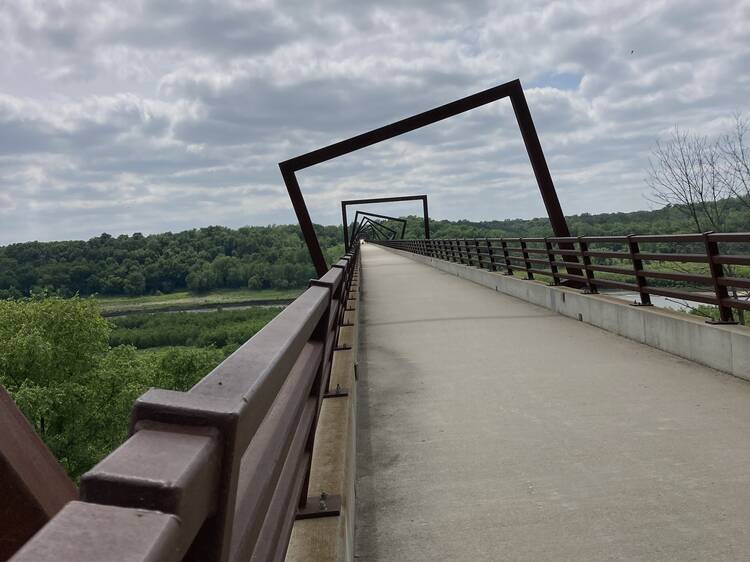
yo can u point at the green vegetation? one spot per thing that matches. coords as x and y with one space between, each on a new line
273 257
192 265
224 329
185 300
712 312
75 374
672 219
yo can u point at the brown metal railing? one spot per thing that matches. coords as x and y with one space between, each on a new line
220 472
617 262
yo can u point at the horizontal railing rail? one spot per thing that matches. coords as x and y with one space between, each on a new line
711 263
220 472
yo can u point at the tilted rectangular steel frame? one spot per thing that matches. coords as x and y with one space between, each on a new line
511 90
377 200
402 222
516 255
217 473
369 225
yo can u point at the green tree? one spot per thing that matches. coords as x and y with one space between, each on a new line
75 390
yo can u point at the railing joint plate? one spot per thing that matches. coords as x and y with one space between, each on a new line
320 506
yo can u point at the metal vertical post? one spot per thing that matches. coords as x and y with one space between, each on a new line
527 263
491 255
637 268
506 255
583 247
717 272
551 259
345 223
426 215
303 217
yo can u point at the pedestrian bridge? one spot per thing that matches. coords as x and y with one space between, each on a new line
494 429
421 405
420 401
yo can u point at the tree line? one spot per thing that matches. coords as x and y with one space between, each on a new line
670 219
273 257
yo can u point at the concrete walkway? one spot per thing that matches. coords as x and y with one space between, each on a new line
491 429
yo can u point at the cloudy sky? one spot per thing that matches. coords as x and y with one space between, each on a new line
164 115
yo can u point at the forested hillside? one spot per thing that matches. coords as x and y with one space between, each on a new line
273 257
668 220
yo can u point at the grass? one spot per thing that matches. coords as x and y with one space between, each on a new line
208 329
186 299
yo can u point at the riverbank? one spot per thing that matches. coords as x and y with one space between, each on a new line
186 301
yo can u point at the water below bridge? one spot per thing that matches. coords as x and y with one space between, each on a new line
492 429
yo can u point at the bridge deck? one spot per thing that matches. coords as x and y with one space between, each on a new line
492 429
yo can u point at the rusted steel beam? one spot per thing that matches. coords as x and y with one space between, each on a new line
33 485
87 532
369 225
395 219
358 226
512 90
374 200
171 469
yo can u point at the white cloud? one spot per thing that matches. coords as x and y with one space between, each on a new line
160 115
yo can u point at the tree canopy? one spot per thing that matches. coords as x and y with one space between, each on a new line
273 257
76 391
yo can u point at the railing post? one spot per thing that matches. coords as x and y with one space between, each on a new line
491 254
717 272
527 263
455 254
583 247
551 259
637 268
479 256
506 255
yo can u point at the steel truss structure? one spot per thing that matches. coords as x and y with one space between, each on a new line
511 90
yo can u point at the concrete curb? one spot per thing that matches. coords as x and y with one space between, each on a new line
328 539
726 348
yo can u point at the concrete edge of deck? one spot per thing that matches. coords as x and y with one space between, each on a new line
328 539
722 347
